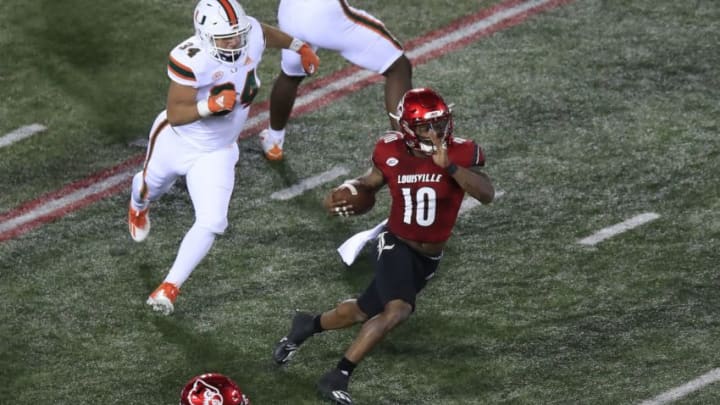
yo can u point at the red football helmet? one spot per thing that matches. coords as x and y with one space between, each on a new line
212 389
424 107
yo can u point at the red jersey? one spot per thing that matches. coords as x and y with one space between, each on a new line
425 198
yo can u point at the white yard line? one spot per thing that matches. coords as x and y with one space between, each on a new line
470 203
20 134
474 28
309 183
676 393
616 229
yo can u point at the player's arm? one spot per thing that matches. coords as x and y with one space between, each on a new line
275 38
473 180
373 179
183 108
181 104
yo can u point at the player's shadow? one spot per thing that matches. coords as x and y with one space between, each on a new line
204 353
359 274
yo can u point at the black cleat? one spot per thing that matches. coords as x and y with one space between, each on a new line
302 328
284 351
333 386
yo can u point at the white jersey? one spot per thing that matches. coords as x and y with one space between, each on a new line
191 65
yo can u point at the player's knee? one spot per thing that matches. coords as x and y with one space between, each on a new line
396 312
216 225
349 309
289 78
400 68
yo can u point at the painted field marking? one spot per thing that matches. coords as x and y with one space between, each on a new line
616 229
64 201
419 51
70 198
470 203
676 393
309 183
310 98
21 133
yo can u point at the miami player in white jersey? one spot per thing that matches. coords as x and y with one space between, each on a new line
213 80
334 25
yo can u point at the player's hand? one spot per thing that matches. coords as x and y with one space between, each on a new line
223 101
337 208
309 59
440 157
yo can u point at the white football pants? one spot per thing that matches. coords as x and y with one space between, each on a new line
210 178
331 24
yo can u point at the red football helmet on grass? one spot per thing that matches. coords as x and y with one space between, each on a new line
212 389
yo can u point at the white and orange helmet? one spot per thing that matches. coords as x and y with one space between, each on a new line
221 19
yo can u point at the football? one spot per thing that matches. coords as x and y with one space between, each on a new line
360 197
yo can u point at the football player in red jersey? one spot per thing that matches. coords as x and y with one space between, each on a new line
428 171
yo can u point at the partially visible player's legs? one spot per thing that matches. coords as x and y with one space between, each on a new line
294 18
156 178
398 80
138 209
333 385
389 300
210 182
304 325
282 99
367 43
375 329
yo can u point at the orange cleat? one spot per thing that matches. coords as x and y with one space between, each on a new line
138 223
163 298
275 153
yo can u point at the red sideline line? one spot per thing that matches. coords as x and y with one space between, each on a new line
409 46
71 188
61 212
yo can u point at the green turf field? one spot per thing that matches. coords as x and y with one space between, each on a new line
589 113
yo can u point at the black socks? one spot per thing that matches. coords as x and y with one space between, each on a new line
316 324
346 366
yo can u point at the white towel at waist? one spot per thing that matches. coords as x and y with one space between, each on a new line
351 248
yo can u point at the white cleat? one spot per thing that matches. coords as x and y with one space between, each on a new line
271 147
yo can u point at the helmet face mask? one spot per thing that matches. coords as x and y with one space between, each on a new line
202 392
223 29
228 48
419 112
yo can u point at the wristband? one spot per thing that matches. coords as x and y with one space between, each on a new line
295 45
203 108
452 168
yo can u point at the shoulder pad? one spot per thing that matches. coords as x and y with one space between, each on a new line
391 136
187 63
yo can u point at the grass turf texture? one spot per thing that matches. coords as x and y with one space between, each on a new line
590 114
